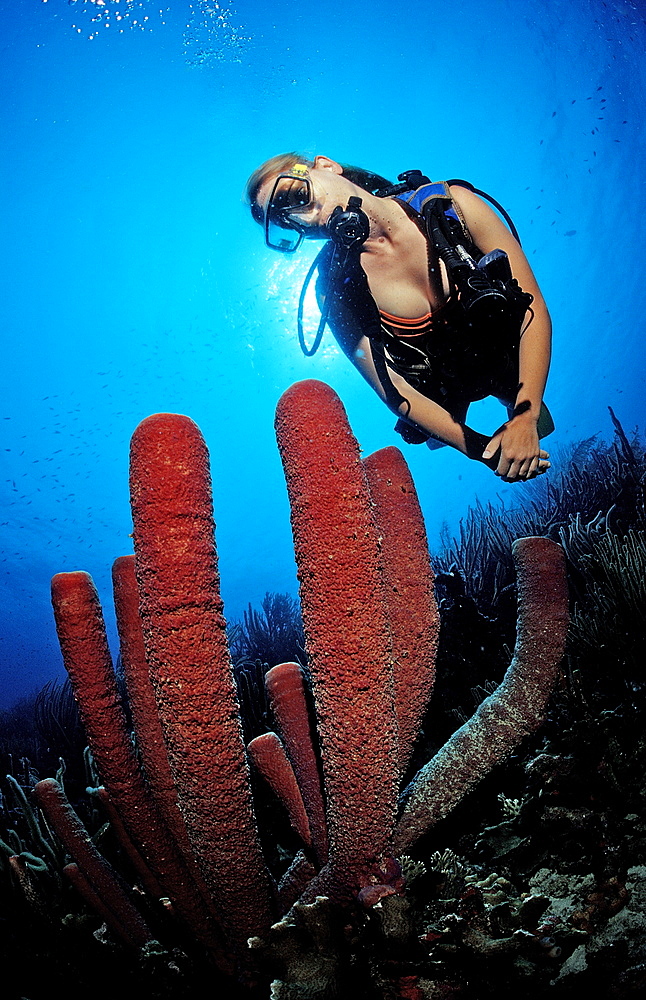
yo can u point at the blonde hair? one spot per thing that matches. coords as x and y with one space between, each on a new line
280 164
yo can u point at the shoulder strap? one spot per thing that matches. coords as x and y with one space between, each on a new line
420 196
423 196
412 181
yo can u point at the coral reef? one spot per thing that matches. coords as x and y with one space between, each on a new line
357 531
531 882
348 643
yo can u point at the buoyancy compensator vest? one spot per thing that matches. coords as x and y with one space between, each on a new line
488 292
492 300
486 305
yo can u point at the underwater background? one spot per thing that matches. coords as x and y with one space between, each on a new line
468 760
136 282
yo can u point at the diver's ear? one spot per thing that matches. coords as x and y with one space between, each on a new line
325 163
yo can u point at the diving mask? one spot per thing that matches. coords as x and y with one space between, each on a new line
290 196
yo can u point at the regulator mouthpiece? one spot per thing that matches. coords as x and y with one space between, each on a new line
349 228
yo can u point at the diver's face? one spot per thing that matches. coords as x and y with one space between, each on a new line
327 189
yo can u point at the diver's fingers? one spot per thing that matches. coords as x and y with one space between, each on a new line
493 446
520 471
512 469
532 469
537 466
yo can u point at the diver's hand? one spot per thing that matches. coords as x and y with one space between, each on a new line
517 449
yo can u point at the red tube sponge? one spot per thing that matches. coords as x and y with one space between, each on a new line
141 698
408 589
95 872
515 708
286 689
83 641
268 754
188 657
345 624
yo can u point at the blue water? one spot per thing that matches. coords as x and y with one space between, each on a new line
135 282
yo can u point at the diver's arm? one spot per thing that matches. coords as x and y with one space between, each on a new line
350 333
423 412
520 454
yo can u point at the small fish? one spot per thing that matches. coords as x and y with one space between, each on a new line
570 232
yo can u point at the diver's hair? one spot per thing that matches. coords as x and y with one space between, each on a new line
285 162
280 164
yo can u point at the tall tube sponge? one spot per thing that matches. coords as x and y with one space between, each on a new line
190 667
141 699
408 590
346 627
86 655
514 710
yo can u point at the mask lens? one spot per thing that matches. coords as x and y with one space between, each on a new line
283 235
290 194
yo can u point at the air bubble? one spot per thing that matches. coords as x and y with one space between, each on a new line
212 36
102 13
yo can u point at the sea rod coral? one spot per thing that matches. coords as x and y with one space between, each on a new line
184 791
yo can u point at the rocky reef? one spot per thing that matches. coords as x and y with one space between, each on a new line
354 848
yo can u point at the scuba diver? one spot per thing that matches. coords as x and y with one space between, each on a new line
428 293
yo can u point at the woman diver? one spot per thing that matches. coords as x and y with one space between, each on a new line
430 296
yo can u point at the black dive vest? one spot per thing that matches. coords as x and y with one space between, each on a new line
456 362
